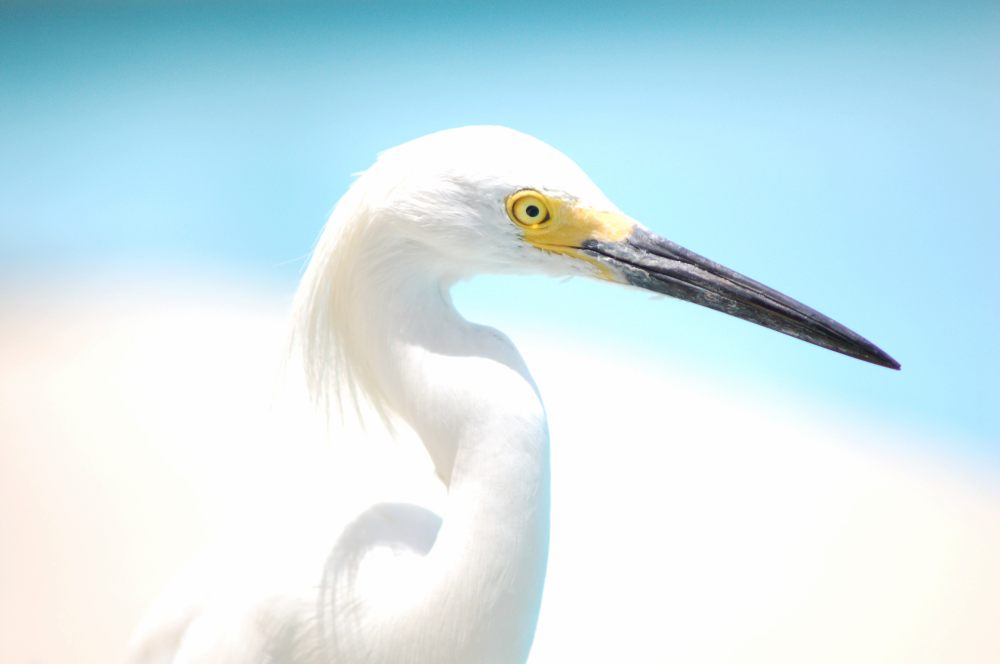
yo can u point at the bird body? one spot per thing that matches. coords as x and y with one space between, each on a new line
396 581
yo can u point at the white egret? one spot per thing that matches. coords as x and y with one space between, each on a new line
400 583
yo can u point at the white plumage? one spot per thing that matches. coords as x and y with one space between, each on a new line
396 581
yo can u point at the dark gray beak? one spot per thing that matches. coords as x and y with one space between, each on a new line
654 263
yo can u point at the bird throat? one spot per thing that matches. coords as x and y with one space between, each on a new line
466 392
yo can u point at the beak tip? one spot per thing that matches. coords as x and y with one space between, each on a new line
892 364
882 359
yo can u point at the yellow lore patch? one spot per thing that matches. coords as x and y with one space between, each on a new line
565 226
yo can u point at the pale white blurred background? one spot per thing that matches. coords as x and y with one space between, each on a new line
693 520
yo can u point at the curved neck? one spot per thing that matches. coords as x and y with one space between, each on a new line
466 392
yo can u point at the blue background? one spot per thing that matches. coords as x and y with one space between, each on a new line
847 154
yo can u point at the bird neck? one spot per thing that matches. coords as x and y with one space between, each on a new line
467 393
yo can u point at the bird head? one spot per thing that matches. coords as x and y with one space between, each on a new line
490 199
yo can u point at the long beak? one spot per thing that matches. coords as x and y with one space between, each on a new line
648 261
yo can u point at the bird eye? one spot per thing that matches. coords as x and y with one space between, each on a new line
528 208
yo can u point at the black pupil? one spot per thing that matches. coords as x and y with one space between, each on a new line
532 210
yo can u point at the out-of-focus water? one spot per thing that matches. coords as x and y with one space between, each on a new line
849 157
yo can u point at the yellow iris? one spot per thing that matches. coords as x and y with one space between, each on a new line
528 208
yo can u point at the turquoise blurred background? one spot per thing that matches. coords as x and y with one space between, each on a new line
846 154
